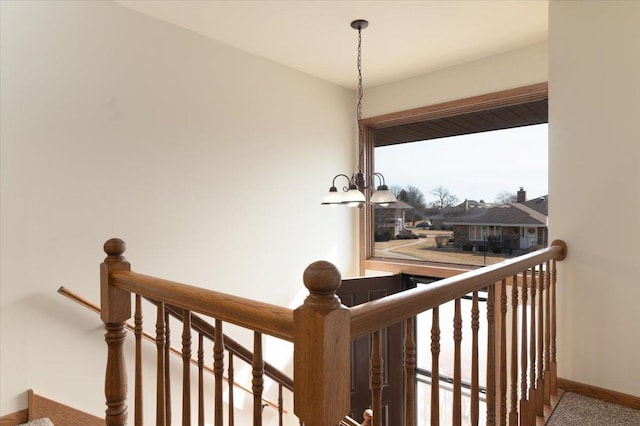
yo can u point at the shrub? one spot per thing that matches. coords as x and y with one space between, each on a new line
406 235
441 240
382 235
467 247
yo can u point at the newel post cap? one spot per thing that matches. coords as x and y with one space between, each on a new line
322 278
114 248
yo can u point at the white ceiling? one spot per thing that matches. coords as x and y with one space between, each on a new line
404 38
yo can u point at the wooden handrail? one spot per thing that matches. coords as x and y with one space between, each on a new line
381 313
234 347
262 317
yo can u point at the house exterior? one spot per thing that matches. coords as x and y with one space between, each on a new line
390 220
115 124
440 217
504 228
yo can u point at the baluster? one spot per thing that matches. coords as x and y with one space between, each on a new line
186 368
376 377
532 348
367 417
138 410
160 386
200 379
435 371
230 383
523 354
491 355
115 311
218 370
554 371
513 413
547 336
167 373
503 353
457 372
257 383
539 373
410 372
280 402
475 387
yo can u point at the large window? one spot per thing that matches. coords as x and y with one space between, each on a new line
471 178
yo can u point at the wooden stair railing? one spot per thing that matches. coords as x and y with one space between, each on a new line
199 325
532 350
322 330
119 283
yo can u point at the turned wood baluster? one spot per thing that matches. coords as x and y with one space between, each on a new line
186 368
435 371
532 348
160 372
230 383
280 402
115 311
554 370
200 379
376 377
410 372
540 340
547 336
491 355
138 410
167 373
503 353
218 371
367 417
513 412
457 372
524 407
475 386
257 383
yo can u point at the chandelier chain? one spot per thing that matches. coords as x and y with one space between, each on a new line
359 107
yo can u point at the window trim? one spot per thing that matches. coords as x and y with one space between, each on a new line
519 95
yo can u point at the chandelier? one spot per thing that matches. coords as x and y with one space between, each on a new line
352 193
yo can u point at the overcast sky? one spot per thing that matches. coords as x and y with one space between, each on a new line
475 167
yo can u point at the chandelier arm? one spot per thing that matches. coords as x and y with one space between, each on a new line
344 188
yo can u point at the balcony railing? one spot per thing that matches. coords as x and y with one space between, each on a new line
520 347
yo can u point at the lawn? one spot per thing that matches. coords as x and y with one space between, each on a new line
425 248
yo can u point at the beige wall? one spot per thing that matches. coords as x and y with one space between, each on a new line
210 163
511 69
594 80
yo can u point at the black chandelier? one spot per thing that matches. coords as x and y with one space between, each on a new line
353 193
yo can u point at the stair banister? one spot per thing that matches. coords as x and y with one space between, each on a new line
381 313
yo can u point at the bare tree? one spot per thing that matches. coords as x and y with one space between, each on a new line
444 198
506 197
412 196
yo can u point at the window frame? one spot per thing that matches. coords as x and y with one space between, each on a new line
368 261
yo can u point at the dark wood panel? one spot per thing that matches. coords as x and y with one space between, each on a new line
357 291
517 115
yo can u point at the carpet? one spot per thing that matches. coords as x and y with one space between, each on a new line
579 410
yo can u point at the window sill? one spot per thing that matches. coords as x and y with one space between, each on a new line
415 268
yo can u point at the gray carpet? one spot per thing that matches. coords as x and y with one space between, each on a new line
578 410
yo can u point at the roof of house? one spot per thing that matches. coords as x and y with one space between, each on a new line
530 213
397 205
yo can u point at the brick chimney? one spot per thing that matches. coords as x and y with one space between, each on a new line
521 197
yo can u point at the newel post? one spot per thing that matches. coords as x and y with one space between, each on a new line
116 310
322 347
